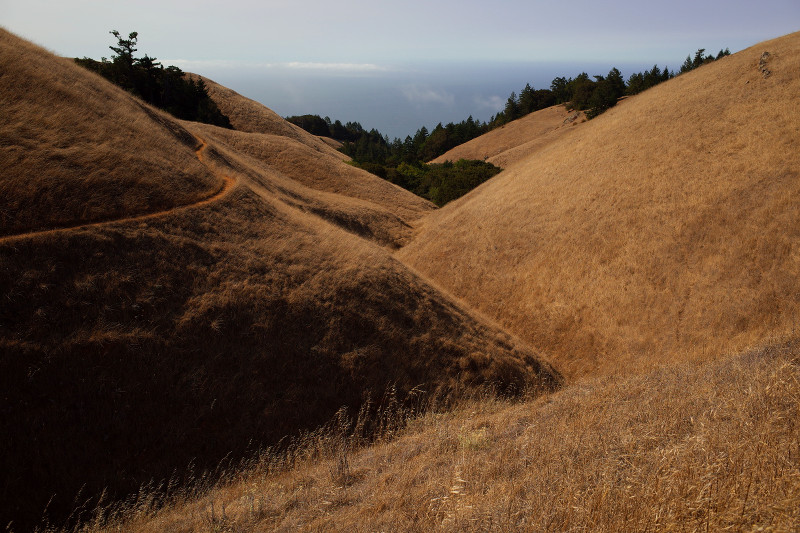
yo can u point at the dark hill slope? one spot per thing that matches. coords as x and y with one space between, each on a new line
129 349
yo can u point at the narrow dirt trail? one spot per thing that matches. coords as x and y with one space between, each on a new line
223 190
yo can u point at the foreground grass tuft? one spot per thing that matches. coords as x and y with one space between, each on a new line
687 447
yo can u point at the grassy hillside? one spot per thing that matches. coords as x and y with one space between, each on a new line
324 173
666 228
519 139
73 153
652 253
130 348
685 448
290 153
249 116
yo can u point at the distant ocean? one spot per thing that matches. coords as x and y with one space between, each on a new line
396 100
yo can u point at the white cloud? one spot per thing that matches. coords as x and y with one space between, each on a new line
339 67
199 65
493 102
426 95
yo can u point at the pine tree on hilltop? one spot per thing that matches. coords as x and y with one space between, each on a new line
125 48
512 108
527 100
166 88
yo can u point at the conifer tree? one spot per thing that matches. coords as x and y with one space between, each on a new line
698 58
125 48
512 107
687 65
560 89
527 100
616 82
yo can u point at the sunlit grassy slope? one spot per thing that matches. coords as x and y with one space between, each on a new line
665 228
131 348
516 140
249 116
74 150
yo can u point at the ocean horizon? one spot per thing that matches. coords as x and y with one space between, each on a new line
396 100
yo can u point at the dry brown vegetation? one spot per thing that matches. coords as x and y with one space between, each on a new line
642 251
711 447
75 150
352 198
130 349
664 228
251 117
519 139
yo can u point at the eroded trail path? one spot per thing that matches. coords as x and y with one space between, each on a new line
218 194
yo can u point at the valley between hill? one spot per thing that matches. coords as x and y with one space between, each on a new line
148 336
602 337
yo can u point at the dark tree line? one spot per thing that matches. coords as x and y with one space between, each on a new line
317 125
641 81
401 161
164 87
700 60
370 146
593 94
580 93
438 182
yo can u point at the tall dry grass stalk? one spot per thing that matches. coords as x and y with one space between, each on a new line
683 448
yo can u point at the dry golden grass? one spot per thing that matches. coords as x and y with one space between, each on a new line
333 143
73 153
691 447
322 172
519 139
636 248
131 348
362 203
249 116
665 226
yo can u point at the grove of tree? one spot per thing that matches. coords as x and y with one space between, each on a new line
167 88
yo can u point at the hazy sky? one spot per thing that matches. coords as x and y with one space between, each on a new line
303 45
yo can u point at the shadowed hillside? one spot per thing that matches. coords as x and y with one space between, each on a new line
683 448
131 348
665 228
